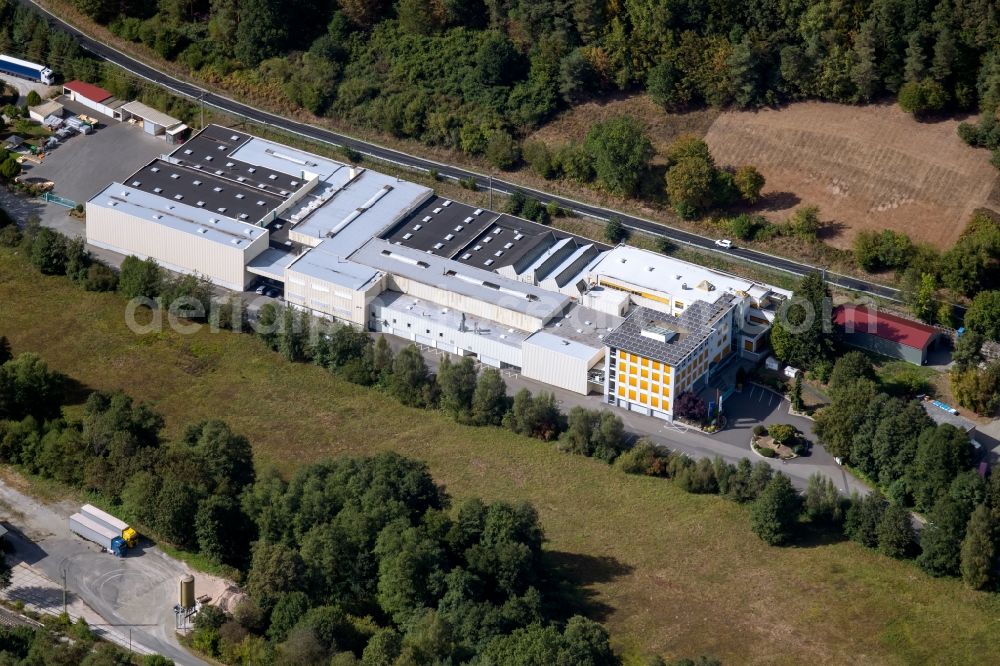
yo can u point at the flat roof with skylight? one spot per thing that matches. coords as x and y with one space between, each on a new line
461 279
322 264
657 272
205 189
177 215
354 212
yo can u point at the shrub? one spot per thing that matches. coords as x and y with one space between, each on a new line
640 459
781 432
100 277
689 406
760 430
503 151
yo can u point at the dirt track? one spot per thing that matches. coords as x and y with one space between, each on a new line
868 167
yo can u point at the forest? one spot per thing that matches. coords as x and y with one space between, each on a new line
468 74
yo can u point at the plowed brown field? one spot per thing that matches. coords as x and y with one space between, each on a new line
871 167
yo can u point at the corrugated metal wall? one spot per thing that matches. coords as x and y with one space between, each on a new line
330 299
560 370
179 251
473 306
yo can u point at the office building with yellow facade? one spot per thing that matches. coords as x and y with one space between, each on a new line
654 356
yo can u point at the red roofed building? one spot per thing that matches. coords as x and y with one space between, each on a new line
886 334
93 97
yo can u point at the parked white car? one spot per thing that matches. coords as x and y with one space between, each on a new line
724 242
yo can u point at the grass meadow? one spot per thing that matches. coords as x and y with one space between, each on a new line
669 573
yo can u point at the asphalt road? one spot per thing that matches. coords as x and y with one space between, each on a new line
133 596
233 107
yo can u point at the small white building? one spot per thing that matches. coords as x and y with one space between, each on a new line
44 110
152 121
93 97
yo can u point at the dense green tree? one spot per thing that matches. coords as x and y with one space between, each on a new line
275 569
923 98
864 515
978 553
823 503
489 400
221 530
941 539
225 459
749 182
10 169
410 382
29 388
593 433
503 151
139 278
48 252
942 453
261 30
977 389
534 416
288 610
895 531
457 382
615 232
983 314
620 151
775 513
848 369
689 186
174 511
968 350
801 333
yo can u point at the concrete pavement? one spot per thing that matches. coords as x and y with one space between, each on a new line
127 600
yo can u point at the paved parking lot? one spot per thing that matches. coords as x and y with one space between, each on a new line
755 405
84 165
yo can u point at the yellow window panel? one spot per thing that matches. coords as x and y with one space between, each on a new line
657 365
644 385
666 393
631 394
631 381
645 373
655 377
621 390
645 362
655 402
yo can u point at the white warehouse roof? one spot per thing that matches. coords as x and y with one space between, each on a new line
182 217
461 278
322 264
149 113
351 213
657 272
286 159
561 345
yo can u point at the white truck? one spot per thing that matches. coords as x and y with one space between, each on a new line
91 530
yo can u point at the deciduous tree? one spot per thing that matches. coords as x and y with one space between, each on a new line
775 513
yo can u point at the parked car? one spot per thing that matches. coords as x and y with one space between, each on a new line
724 242
262 289
273 293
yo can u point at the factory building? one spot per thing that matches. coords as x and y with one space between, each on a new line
361 247
179 236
